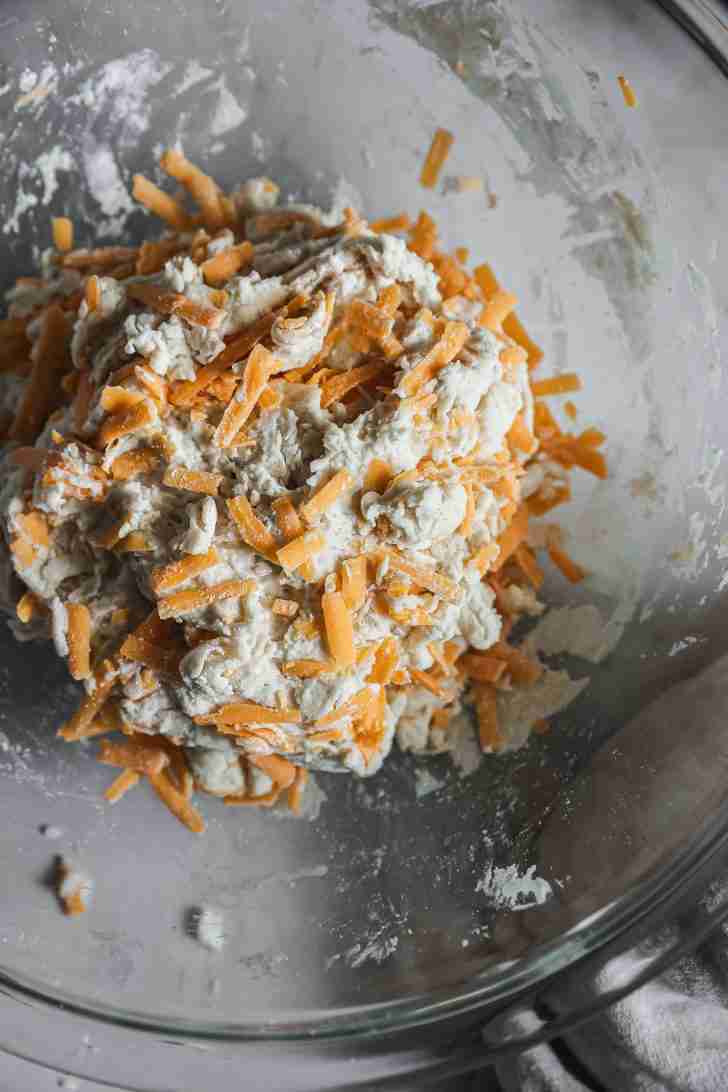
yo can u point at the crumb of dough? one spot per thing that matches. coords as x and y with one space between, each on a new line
276 461
207 925
74 888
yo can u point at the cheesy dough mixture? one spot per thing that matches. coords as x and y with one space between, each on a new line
266 486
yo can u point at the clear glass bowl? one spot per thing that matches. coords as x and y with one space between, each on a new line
379 916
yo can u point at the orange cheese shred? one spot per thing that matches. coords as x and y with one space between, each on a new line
160 203
435 159
153 255
132 420
558 384
339 628
354 582
200 186
308 669
295 553
249 712
401 222
79 726
177 572
442 352
374 321
175 303
221 267
135 753
424 576
62 233
27 607
519 437
287 517
194 481
34 525
486 710
630 99
259 367
43 391
570 569
524 557
338 384
429 682
488 284
523 670
104 257
482 667
378 476
176 802
325 496
126 780
79 640
184 602
386 659
512 537
355 707
497 309
251 529
119 399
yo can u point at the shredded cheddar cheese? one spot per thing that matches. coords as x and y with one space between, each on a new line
177 572
247 712
184 602
439 150
325 496
258 370
160 203
300 550
339 628
560 384
573 572
121 785
630 99
194 481
79 640
354 582
62 233
251 528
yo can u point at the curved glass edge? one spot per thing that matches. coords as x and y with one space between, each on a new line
708 26
466 1048
706 23
689 871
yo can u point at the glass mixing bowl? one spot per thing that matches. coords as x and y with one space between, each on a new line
376 938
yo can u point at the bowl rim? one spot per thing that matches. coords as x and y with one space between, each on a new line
647 902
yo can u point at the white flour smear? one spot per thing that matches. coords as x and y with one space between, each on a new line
508 889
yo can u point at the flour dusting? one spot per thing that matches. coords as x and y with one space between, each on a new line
374 951
229 114
47 166
23 202
426 782
508 889
194 73
207 925
107 185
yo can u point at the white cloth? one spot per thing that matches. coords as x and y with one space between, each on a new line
670 1035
